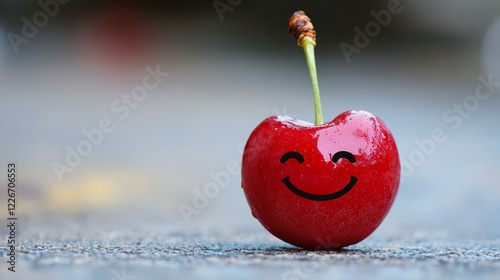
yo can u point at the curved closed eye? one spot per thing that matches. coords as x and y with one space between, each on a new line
343 154
290 155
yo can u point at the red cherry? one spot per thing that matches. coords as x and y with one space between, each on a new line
325 186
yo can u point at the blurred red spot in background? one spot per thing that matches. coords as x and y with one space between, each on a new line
118 38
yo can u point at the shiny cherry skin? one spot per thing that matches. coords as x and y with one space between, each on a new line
318 187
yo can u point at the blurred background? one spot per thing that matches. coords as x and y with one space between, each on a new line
64 67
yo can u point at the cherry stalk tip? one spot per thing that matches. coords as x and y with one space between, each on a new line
301 27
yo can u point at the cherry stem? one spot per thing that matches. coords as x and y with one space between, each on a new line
308 46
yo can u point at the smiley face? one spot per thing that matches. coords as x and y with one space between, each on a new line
335 158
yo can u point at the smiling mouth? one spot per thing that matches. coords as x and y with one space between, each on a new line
319 197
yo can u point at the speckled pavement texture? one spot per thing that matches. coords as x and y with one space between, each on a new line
74 253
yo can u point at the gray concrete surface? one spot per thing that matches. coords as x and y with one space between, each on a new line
66 250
